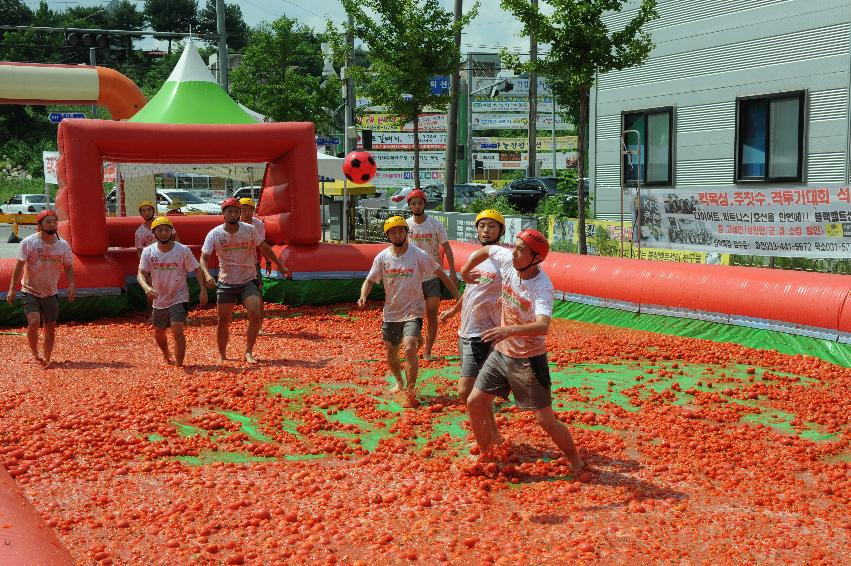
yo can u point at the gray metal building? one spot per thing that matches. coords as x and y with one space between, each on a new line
735 93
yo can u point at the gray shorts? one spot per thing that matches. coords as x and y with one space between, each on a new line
527 378
236 294
474 352
393 331
47 307
431 288
162 318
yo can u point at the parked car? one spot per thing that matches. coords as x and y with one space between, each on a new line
380 200
524 194
248 192
466 193
24 204
167 199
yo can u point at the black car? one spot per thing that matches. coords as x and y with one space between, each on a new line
524 194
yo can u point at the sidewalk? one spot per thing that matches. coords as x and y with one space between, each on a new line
11 250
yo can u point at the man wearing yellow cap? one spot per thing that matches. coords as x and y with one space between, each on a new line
403 268
162 275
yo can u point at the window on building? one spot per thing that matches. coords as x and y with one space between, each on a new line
770 138
652 164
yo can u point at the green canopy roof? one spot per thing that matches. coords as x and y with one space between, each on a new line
192 96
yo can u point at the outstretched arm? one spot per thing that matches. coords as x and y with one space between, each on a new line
475 259
450 259
269 254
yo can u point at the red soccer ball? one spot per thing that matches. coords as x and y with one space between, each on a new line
359 167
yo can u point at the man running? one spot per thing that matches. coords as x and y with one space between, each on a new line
41 258
403 269
429 234
518 363
235 243
162 276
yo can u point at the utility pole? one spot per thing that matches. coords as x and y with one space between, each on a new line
350 88
452 126
224 63
533 102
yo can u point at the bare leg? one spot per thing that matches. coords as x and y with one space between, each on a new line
432 304
162 342
33 321
411 346
225 311
179 342
560 434
479 407
254 308
465 387
49 340
393 362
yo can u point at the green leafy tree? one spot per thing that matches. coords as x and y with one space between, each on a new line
14 13
565 203
234 24
581 46
281 75
409 41
491 202
172 15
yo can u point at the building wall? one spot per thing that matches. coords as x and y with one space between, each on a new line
706 55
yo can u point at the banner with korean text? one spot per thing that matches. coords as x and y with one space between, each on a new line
390 123
813 222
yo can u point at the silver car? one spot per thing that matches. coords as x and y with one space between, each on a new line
24 204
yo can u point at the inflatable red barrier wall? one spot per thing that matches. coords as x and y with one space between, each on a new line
290 184
121 230
354 258
26 540
808 299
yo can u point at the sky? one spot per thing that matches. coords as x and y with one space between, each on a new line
492 29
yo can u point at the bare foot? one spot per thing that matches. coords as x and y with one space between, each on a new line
408 399
428 356
168 361
263 333
249 357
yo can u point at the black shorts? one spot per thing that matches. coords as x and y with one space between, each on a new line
432 288
163 318
474 351
527 378
394 331
46 307
236 294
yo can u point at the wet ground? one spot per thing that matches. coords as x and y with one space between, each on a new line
699 452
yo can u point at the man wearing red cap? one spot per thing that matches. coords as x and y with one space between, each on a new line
429 234
235 243
518 363
41 258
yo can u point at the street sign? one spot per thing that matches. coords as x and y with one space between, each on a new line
439 84
320 140
57 117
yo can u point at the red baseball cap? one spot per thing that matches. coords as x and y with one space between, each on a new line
230 202
416 193
44 214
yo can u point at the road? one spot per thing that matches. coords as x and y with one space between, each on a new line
11 250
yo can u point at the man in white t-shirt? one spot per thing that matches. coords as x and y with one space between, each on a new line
518 363
235 243
429 234
41 259
402 269
162 275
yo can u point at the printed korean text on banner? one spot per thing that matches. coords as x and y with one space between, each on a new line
389 123
384 178
405 140
510 104
778 221
405 160
522 144
507 160
520 86
516 122
50 159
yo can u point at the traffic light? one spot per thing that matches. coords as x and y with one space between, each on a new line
87 39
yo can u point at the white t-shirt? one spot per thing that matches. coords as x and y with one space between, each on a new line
480 308
428 236
237 253
403 278
259 226
145 236
168 273
43 265
522 301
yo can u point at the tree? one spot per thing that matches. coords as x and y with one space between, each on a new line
581 46
409 42
281 75
234 24
172 15
14 13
